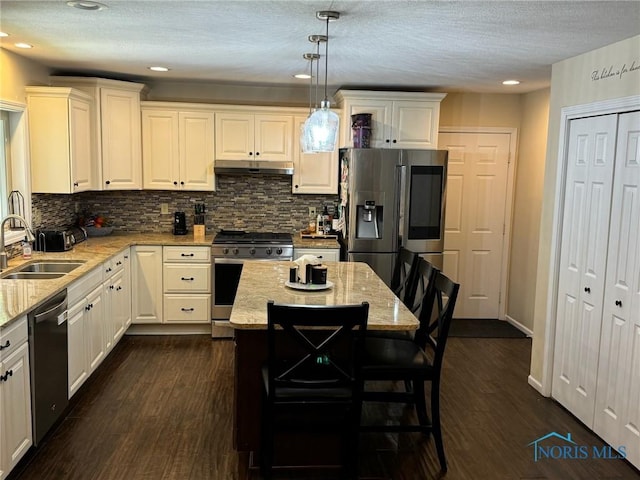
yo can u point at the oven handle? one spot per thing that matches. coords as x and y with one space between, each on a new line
228 261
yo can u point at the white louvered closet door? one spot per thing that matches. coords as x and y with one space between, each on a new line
583 259
617 413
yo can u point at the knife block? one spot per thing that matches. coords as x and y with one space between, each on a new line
198 233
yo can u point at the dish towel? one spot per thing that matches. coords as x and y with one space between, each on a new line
302 263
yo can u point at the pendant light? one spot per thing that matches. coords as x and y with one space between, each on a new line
312 57
320 130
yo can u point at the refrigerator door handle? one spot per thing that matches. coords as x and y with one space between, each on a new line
401 200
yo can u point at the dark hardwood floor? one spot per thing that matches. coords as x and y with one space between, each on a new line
161 408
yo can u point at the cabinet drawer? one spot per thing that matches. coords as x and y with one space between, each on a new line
187 278
323 254
12 337
186 254
187 308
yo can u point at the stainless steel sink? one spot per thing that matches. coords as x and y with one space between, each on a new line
33 275
49 266
43 270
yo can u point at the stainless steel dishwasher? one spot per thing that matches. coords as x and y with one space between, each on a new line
49 364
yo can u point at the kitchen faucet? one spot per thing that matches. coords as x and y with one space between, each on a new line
27 231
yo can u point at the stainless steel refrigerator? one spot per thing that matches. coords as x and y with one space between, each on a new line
393 198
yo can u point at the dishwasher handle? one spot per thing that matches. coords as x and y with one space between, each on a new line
54 311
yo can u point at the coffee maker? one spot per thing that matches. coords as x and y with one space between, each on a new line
179 223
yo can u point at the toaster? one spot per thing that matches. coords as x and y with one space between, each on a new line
58 240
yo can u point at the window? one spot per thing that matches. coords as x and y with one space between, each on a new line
14 164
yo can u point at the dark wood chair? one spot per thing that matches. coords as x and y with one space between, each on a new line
417 361
403 277
312 379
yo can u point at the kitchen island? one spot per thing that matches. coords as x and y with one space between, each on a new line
353 283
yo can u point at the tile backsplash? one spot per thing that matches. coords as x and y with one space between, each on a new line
243 202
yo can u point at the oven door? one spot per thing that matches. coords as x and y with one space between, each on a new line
225 278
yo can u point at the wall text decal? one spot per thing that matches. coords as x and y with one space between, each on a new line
615 72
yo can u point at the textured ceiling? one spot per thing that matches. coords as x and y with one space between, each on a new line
435 45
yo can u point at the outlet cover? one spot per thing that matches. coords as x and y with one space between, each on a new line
312 211
164 208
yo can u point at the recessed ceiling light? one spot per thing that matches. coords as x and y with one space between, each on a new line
2 34
159 69
511 82
23 45
303 76
87 5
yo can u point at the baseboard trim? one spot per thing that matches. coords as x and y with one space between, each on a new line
519 326
536 385
169 329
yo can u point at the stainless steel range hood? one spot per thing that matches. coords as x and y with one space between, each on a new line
255 167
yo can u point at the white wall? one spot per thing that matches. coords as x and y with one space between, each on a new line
575 81
16 72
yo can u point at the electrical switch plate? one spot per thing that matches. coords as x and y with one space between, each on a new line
164 208
312 211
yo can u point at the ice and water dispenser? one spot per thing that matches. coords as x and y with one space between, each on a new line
370 220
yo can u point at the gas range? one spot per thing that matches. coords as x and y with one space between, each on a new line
247 245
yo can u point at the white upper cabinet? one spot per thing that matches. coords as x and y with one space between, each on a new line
399 119
177 148
62 159
249 136
116 129
313 172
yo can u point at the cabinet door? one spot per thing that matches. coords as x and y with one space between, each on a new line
617 413
313 172
414 124
590 160
77 347
118 306
160 150
234 136
196 151
121 139
146 281
126 287
15 404
94 319
273 137
380 111
49 143
82 172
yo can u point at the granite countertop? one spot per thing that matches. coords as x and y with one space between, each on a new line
18 297
354 282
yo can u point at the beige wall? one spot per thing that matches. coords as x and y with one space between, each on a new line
203 92
528 113
16 72
480 110
572 84
526 206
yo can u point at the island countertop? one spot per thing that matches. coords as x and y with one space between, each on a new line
353 282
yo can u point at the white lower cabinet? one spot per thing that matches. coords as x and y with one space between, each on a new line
98 315
117 296
146 277
323 254
15 396
187 284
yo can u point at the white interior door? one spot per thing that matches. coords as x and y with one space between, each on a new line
585 232
477 184
617 412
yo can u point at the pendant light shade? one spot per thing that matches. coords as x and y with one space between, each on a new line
320 130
